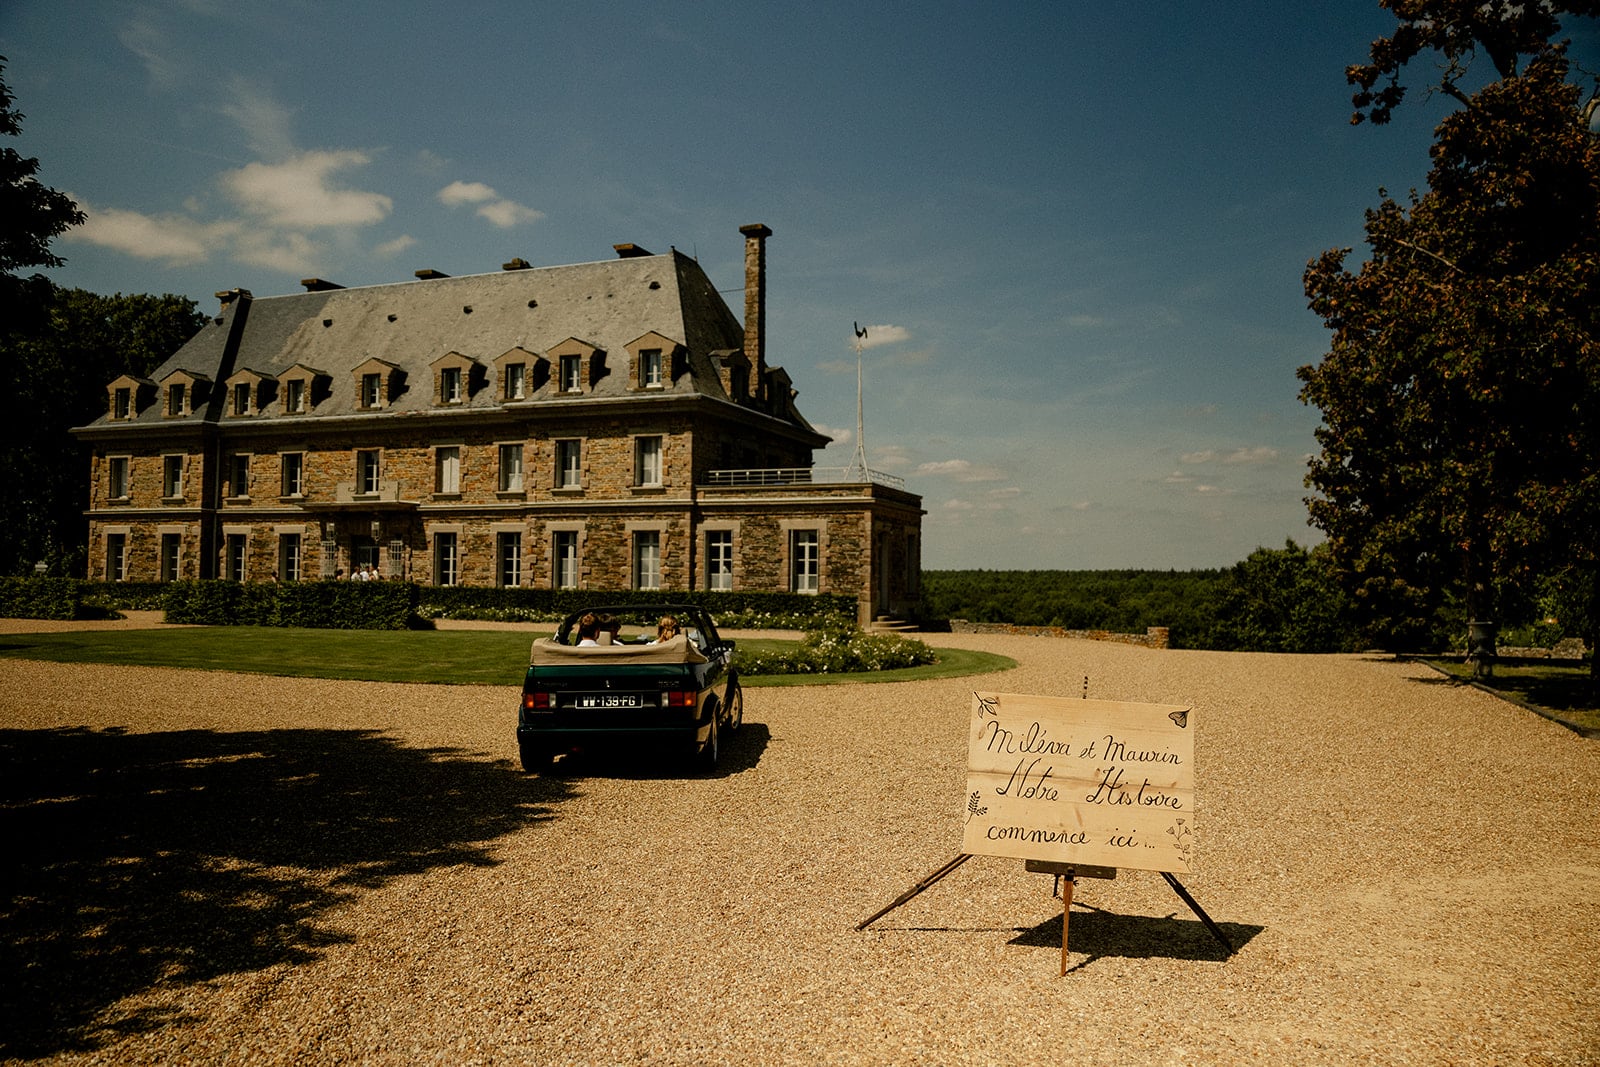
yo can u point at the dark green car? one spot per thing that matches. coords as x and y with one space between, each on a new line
622 685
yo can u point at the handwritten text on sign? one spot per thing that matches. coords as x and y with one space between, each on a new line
1097 782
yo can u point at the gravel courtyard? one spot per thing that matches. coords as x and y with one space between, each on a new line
219 868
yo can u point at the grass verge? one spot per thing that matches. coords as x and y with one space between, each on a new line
1561 689
447 657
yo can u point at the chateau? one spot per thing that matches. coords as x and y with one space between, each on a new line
605 425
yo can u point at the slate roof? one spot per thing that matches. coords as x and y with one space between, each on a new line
412 324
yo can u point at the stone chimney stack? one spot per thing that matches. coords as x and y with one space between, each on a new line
755 306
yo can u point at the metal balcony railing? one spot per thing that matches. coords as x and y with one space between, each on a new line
778 476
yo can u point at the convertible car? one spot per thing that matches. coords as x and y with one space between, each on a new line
625 686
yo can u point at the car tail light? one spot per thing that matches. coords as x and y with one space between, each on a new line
679 698
536 701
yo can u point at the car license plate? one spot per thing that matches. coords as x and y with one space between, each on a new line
610 700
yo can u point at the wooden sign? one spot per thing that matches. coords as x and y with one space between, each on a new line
1095 782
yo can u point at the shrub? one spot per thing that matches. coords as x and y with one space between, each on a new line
839 650
779 611
318 605
41 598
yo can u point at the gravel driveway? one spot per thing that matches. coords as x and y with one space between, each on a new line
218 868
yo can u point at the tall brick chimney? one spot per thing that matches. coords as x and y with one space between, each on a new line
755 306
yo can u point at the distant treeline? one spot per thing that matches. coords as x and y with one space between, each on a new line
1275 600
1123 601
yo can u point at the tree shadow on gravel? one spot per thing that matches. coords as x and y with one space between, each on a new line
145 861
1099 933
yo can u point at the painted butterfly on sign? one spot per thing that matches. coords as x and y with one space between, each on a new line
1180 717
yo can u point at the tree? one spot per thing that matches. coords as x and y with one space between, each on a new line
1282 600
1460 394
1503 30
56 379
31 216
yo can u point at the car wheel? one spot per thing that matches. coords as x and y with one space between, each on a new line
706 759
735 707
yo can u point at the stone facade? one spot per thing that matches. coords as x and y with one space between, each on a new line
606 426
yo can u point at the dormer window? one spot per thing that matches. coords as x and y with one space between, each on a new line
455 378
122 404
177 399
653 360
378 383
241 398
571 373
294 396
516 381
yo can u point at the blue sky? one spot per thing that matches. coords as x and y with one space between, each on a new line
1075 231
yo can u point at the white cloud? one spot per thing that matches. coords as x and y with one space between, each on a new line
172 239
495 208
1205 456
884 335
292 253
840 436
297 193
961 470
394 247
958 505
1259 454
1010 492
508 213
466 193
154 49
264 121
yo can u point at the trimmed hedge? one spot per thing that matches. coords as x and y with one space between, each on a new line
787 611
41 598
317 605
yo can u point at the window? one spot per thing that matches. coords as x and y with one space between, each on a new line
172 477
449 385
569 464
171 547
117 469
508 559
233 558
571 374
397 560
294 396
445 570
294 473
330 557
511 468
647 461
241 398
647 559
371 390
650 368
363 553
367 472
116 557
175 398
447 469
565 570
516 381
288 557
804 551
239 474
122 404
719 560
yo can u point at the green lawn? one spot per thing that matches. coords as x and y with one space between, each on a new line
452 657
1560 688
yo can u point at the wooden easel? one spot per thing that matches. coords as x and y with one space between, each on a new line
1068 873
